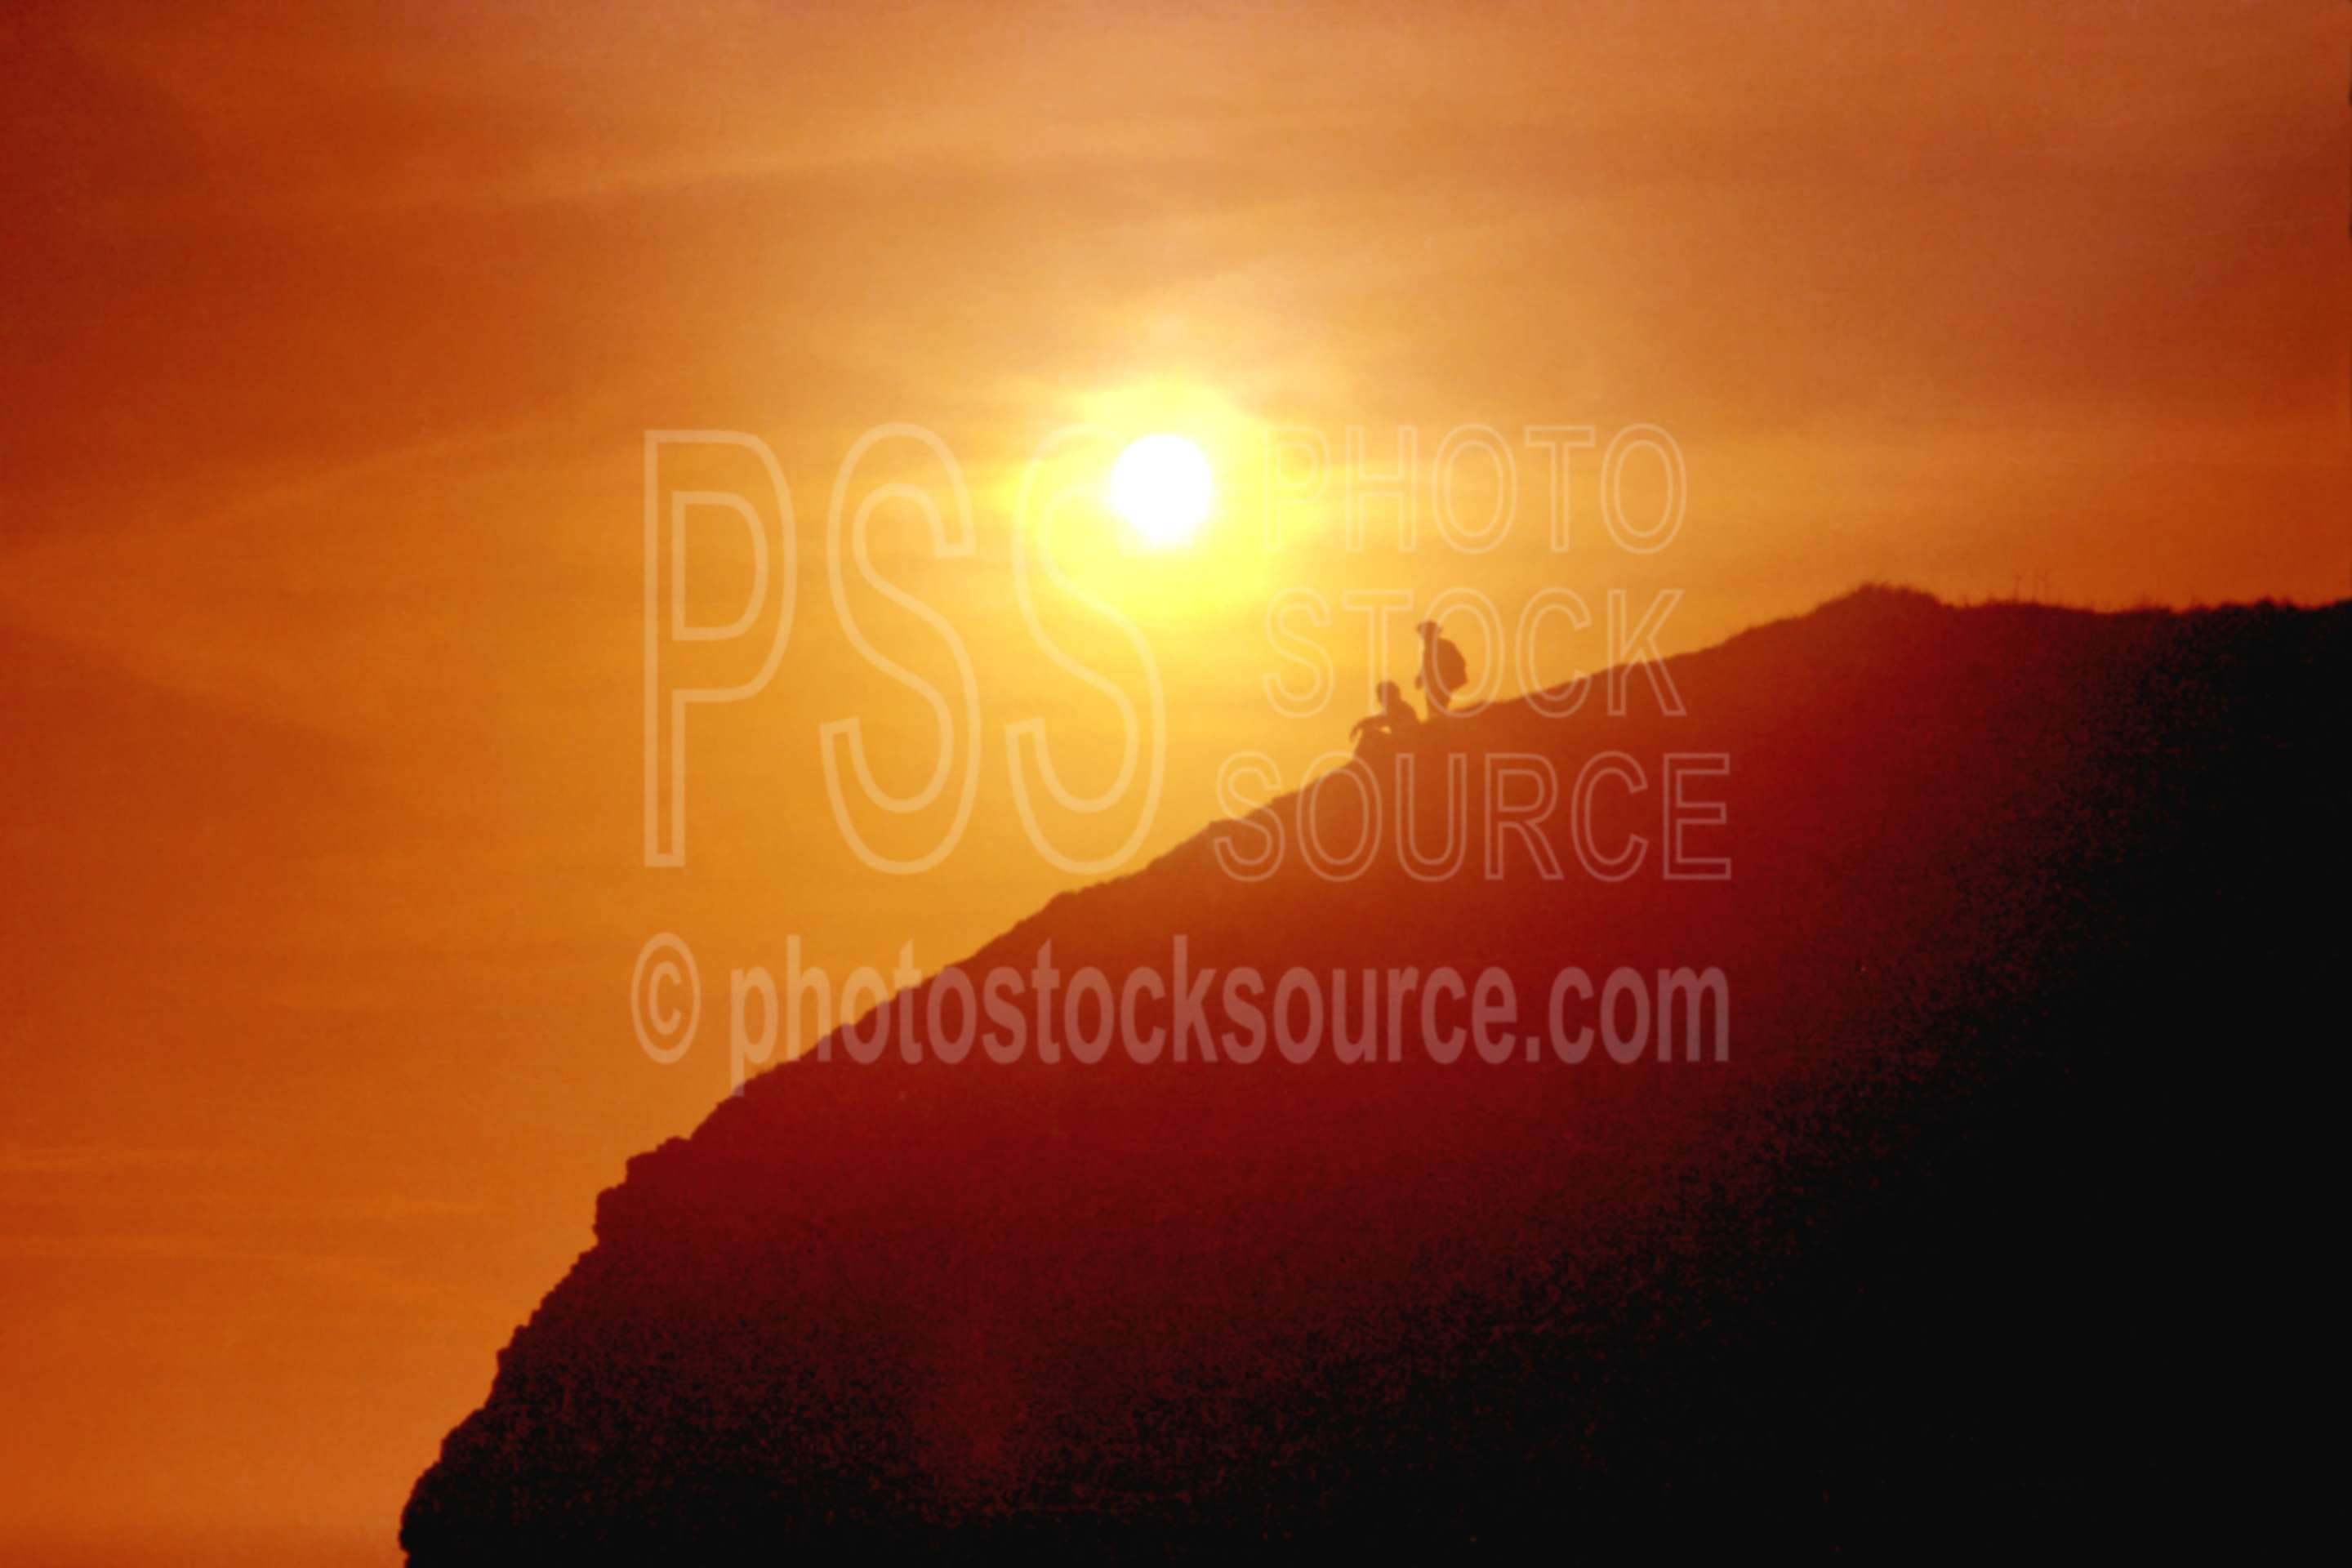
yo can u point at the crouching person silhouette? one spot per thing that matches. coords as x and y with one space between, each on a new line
1384 730
1444 670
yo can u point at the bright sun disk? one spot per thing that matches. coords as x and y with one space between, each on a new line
1162 487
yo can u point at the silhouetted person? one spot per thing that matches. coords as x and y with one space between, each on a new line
1393 723
1444 670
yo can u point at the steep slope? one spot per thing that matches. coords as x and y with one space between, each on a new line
1961 1233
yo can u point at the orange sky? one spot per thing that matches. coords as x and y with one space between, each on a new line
331 336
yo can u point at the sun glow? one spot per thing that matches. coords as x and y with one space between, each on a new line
1162 486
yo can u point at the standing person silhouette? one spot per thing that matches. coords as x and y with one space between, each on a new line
1444 670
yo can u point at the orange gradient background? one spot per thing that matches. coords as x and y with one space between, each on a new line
331 336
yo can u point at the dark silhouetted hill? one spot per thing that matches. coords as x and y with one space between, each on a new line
1977 1236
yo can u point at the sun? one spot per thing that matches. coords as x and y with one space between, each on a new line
1162 487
